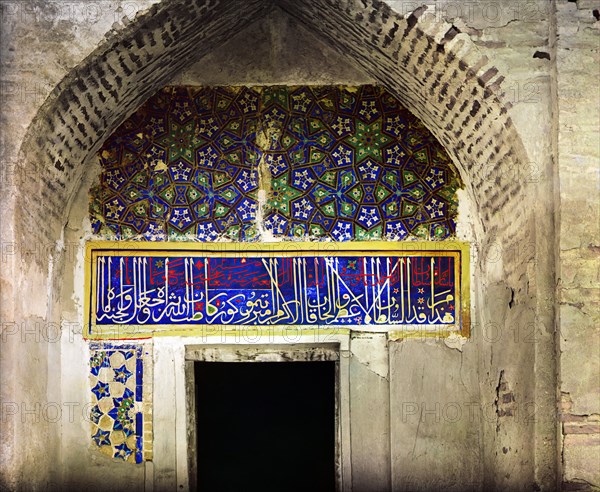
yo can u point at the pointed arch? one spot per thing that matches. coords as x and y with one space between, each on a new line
436 72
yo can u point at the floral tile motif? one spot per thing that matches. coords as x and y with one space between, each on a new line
345 163
116 380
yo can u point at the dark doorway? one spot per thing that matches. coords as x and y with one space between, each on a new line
267 426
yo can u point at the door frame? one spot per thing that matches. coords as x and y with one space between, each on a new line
301 352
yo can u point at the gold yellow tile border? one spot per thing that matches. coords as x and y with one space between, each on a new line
458 249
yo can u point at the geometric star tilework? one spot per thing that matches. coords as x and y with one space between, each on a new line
343 163
116 377
184 165
352 163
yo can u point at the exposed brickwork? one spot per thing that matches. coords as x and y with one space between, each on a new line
107 87
454 97
577 424
578 153
581 445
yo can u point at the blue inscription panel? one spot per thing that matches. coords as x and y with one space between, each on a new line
341 290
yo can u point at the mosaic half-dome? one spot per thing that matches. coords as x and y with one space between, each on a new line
334 162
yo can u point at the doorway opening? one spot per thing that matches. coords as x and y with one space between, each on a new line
265 426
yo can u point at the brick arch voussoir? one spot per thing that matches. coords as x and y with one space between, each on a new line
434 70
440 75
94 98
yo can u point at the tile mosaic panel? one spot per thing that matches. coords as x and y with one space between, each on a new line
344 162
163 290
116 381
184 165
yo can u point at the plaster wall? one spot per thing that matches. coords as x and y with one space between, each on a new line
506 366
578 152
365 380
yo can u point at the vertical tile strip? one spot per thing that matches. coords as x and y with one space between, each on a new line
118 404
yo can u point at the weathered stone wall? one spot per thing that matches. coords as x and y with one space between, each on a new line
481 76
578 157
39 45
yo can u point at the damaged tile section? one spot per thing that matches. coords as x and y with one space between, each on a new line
119 426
